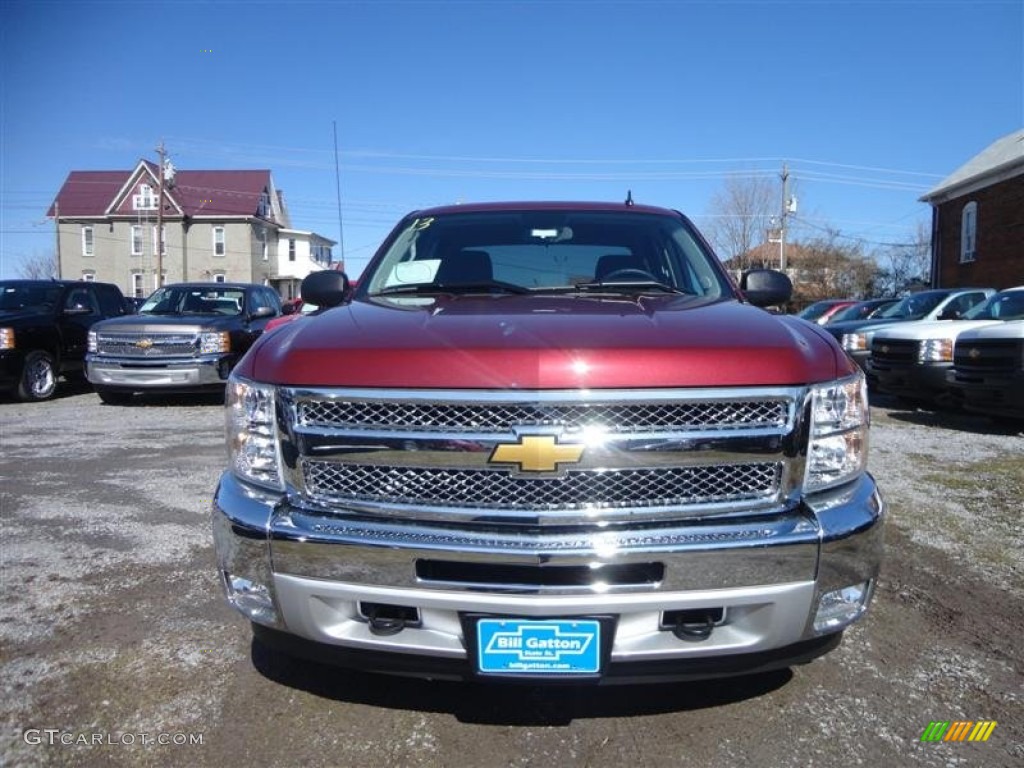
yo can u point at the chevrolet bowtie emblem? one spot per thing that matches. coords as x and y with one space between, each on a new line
536 453
974 353
144 343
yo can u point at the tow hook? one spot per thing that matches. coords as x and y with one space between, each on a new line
385 620
694 631
384 626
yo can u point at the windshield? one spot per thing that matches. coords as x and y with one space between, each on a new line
914 307
816 310
14 296
1008 305
546 251
191 300
860 311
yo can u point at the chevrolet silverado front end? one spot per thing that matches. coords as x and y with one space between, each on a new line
554 466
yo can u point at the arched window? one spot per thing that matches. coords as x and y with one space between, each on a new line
968 232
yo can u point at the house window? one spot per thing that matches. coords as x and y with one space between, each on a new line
137 289
136 240
163 245
968 232
263 207
291 249
218 241
145 200
261 235
219 277
87 241
88 275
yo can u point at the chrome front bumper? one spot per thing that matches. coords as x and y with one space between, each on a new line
766 575
188 373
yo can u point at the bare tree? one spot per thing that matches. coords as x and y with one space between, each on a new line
41 265
905 265
740 216
825 268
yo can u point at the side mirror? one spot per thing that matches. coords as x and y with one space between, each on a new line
288 309
327 288
949 314
765 287
262 312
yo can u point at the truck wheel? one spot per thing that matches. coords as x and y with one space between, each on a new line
113 396
38 377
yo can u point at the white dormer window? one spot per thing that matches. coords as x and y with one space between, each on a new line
968 232
145 200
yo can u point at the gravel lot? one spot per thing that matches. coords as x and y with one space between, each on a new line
114 636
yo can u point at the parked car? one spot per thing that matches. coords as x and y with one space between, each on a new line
821 311
43 327
911 360
988 370
938 304
862 310
186 338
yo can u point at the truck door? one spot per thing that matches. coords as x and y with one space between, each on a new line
79 311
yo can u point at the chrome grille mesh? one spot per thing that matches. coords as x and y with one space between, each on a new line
582 489
502 417
146 344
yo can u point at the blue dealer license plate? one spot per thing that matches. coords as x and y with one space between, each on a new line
539 647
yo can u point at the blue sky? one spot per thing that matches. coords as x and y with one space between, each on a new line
869 103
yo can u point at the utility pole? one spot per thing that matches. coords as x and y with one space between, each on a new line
785 210
160 220
337 185
56 234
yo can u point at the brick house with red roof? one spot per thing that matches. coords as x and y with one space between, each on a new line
228 226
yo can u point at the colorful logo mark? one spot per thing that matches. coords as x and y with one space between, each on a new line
958 730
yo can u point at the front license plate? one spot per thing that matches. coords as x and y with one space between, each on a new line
539 647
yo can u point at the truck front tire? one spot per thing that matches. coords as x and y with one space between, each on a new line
38 377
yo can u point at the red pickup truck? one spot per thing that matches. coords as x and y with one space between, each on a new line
548 442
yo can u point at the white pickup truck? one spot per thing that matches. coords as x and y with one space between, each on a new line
912 359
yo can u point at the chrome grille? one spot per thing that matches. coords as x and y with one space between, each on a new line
146 344
577 490
502 417
648 454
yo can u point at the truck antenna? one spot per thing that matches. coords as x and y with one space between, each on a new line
629 197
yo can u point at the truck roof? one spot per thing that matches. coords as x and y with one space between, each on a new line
545 205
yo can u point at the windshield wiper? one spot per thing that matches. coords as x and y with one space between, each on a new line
485 286
627 286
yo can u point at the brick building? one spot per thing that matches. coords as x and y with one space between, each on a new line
978 219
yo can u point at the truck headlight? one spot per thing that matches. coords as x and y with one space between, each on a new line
212 343
838 447
855 342
935 351
253 453
6 338
93 342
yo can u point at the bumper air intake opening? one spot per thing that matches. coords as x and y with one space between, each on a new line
386 619
692 625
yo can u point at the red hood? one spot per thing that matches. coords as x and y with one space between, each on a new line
545 342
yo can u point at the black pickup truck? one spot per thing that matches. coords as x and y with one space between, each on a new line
44 327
